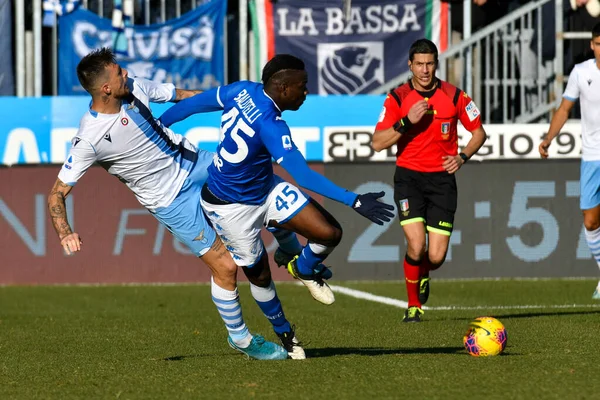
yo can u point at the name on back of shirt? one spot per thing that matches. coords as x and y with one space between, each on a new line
246 105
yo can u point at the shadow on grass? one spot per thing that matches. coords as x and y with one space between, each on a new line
531 315
185 357
378 351
360 351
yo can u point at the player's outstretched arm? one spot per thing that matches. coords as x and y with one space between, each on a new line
558 121
201 103
70 241
366 204
182 94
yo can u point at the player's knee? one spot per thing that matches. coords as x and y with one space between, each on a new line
416 251
436 262
259 274
331 236
226 271
590 222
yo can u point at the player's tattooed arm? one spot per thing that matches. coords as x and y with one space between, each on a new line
58 211
181 94
69 240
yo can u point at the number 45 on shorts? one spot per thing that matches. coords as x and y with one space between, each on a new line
289 196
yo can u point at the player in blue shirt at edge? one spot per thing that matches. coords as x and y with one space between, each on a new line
242 195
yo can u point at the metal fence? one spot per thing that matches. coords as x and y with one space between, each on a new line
501 66
28 34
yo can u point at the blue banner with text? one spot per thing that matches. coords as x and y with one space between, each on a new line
188 51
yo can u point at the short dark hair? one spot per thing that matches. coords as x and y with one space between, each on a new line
423 46
93 65
596 31
280 63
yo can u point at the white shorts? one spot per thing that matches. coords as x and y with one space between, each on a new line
240 225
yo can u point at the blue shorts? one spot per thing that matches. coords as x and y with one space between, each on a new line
589 185
184 217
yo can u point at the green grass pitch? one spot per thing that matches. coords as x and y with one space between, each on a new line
168 342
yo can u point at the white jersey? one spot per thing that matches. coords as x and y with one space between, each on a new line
584 84
133 146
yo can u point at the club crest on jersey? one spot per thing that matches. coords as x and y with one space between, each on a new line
404 207
124 121
445 128
286 140
200 237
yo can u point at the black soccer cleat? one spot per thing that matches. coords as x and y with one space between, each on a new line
424 288
292 345
413 314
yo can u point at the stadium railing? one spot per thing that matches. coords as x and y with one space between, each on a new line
503 67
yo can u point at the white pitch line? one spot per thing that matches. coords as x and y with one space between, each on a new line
358 294
369 296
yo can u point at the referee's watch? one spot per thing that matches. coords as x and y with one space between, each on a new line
403 125
464 157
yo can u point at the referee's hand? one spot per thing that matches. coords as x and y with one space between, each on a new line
452 163
417 111
544 148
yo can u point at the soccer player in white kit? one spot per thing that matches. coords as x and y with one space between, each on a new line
584 84
162 169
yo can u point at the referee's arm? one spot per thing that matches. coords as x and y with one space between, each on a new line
384 138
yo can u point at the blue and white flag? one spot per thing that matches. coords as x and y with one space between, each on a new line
52 8
188 51
122 17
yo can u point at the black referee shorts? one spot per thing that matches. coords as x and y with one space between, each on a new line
428 197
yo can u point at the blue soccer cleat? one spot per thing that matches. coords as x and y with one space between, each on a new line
260 349
596 295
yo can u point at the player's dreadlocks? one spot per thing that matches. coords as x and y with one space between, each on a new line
93 65
281 63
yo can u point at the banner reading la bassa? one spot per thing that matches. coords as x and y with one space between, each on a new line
188 51
352 57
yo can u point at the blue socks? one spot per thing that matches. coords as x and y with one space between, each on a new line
269 303
287 240
312 255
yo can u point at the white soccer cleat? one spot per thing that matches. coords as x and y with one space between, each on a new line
318 288
292 345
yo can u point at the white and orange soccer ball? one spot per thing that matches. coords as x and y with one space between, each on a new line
486 336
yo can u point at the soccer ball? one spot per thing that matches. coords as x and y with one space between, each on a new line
486 336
